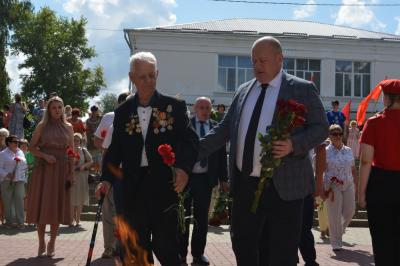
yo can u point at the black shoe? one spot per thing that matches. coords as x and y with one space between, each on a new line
200 260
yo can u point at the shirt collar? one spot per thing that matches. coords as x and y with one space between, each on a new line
198 121
275 82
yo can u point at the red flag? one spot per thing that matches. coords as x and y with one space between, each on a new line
362 108
346 112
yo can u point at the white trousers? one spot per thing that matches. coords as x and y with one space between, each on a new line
340 211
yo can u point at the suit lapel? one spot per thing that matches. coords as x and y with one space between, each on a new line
136 137
284 92
242 99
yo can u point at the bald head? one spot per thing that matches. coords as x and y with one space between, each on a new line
202 107
267 59
268 41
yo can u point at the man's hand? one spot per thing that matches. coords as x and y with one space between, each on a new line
102 188
281 148
181 180
224 186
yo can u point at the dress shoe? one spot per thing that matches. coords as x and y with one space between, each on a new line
200 260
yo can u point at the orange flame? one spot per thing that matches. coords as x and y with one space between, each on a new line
134 254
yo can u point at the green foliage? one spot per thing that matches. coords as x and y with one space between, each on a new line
108 102
12 13
56 49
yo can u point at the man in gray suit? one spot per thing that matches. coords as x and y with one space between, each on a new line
271 236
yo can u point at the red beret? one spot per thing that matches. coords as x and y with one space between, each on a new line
391 86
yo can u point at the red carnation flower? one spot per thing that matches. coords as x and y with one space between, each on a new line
168 156
70 152
17 159
299 121
103 134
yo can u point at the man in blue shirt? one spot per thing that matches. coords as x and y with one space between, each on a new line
335 116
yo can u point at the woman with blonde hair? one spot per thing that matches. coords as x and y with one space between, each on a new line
52 176
380 176
80 188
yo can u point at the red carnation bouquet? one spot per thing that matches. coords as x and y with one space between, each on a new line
168 156
290 115
334 181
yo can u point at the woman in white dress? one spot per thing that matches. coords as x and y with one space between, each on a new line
352 140
80 188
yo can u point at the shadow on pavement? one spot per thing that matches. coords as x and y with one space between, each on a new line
35 261
15 231
217 230
102 262
70 230
361 257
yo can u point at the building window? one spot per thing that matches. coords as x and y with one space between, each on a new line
308 69
353 78
233 71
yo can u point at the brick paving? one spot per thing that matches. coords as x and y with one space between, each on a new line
19 248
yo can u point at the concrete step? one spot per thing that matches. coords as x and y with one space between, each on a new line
88 216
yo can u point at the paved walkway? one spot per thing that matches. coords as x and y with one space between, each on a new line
19 247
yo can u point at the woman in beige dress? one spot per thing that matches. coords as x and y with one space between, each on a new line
80 188
49 191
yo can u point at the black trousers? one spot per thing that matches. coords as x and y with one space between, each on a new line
271 236
199 196
145 209
383 208
307 244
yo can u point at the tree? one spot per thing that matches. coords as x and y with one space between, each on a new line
12 12
56 49
108 102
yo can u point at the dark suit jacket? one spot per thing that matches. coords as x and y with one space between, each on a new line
294 179
126 149
217 166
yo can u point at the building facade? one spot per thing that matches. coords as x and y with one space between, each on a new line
213 58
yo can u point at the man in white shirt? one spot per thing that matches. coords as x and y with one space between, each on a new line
109 207
271 235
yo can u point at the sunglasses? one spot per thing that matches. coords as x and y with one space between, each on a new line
336 134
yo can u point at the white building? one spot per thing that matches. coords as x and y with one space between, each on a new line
212 58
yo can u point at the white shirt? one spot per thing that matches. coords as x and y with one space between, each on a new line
339 163
107 140
106 121
144 114
197 169
8 165
267 114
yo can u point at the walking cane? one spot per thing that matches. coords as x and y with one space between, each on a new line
96 223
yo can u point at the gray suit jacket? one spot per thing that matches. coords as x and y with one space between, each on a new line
294 179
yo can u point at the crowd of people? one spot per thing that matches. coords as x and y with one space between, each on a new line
45 181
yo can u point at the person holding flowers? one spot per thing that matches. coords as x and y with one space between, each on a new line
80 188
149 187
340 185
13 169
270 172
380 176
52 176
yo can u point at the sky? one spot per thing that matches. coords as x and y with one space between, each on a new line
107 19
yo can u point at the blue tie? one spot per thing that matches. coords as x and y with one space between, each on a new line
203 163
